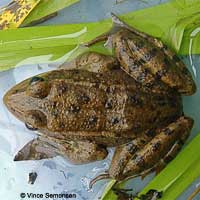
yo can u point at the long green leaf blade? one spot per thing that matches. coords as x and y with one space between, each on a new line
181 16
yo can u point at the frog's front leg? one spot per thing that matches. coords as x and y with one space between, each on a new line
78 152
93 62
140 159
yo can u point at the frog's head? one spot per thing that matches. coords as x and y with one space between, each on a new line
24 99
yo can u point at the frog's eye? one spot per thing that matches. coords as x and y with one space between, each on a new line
28 126
36 79
38 87
35 119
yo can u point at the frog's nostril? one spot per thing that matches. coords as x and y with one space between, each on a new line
35 119
36 79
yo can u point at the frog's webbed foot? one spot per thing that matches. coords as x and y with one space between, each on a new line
98 178
78 152
145 155
93 62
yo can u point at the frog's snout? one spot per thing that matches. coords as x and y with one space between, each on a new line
22 101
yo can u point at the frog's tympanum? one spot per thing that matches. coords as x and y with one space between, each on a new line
131 101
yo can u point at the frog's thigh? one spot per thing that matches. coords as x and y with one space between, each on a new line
78 152
92 61
162 148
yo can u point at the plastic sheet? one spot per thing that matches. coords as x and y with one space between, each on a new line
57 175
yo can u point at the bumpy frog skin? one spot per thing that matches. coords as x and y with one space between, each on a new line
131 101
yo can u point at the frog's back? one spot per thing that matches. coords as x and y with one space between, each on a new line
111 101
86 101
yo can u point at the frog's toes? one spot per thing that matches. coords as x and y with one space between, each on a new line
36 150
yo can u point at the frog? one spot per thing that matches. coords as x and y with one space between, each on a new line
131 100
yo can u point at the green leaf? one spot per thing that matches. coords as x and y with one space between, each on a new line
108 192
172 22
176 33
46 8
38 44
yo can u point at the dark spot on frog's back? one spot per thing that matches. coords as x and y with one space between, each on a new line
167 62
74 109
160 73
115 120
83 98
62 87
167 131
110 89
150 133
131 147
75 71
176 59
160 100
92 120
139 160
61 125
156 146
140 44
147 57
153 52
135 100
141 61
109 104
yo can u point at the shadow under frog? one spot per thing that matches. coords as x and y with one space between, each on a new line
131 101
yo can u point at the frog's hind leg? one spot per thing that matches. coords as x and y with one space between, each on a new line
78 152
149 61
160 150
122 155
183 80
144 155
